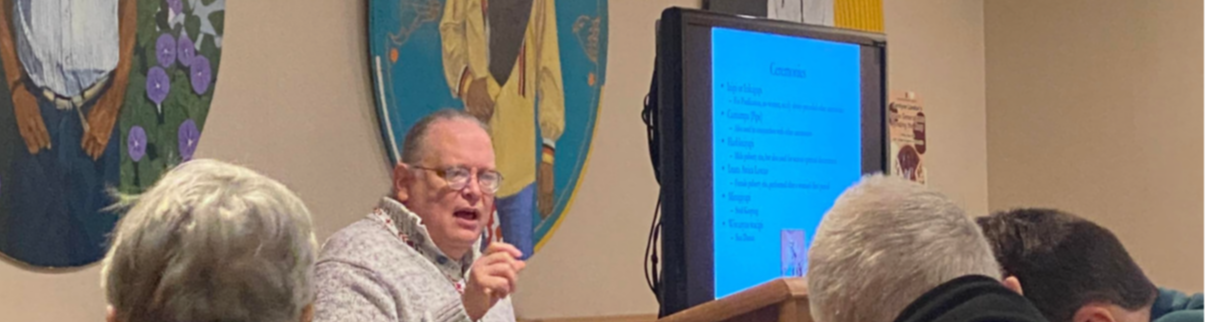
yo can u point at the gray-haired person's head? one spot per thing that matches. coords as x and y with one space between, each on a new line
885 242
414 145
212 241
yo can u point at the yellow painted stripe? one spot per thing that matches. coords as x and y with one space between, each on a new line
865 15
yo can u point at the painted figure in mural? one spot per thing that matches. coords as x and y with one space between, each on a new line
502 59
66 65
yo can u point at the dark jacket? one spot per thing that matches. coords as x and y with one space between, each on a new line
1173 306
971 298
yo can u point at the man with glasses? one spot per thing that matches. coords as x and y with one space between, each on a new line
417 256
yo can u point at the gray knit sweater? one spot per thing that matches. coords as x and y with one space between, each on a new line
384 268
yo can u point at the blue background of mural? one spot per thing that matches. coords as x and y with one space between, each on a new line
414 86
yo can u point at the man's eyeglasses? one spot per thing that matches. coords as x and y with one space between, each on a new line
458 177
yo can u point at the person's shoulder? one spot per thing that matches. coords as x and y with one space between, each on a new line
1175 306
970 298
363 230
362 240
1182 316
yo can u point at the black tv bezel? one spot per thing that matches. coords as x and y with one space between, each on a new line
685 138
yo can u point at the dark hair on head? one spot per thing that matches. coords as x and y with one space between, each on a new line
412 145
1065 262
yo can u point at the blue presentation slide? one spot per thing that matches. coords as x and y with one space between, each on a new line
787 138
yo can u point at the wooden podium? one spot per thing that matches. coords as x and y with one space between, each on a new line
783 299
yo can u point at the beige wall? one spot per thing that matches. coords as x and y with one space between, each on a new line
294 101
935 48
1095 107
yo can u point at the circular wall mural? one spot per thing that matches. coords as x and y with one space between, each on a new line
101 98
533 70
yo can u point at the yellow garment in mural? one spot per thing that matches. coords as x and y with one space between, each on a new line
536 74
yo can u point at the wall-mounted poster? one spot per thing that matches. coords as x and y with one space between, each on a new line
906 126
533 70
100 97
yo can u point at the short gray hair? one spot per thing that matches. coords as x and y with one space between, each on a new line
212 241
886 242
413 146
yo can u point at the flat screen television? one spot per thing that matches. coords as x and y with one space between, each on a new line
761 125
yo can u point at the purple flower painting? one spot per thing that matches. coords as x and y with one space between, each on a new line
200 74
177 6
136 143
186 51
158 85
188 136
110 65
165 50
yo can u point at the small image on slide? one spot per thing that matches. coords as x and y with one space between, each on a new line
793 253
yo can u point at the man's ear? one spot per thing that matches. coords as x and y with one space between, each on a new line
111 315
1093 312
402 176
1012 283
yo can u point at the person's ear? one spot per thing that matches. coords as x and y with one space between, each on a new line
402 177
1093 312
307 313
111 315
1012 283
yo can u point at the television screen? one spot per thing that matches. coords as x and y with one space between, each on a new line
762 124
